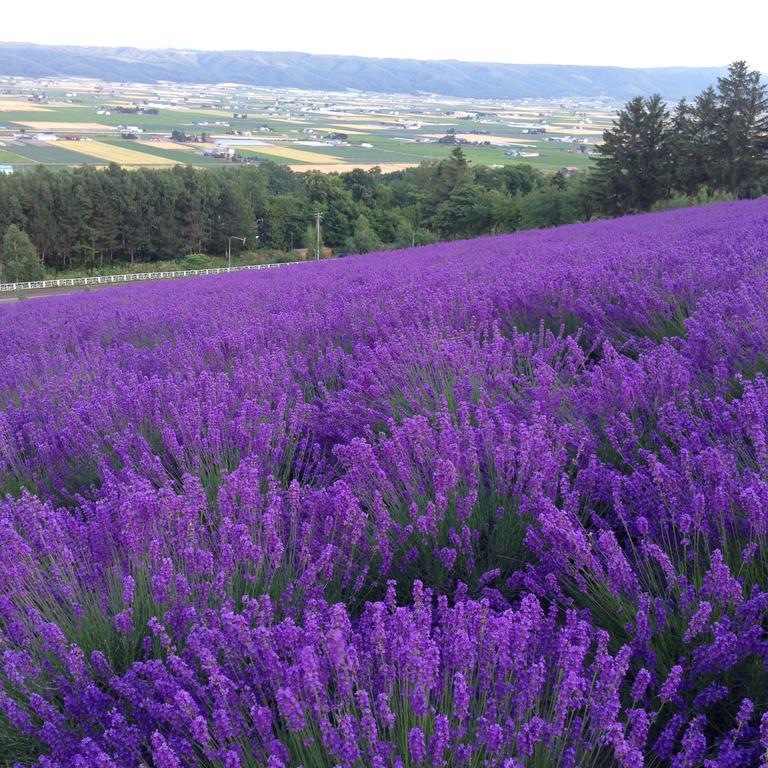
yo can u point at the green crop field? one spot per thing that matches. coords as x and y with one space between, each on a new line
11 158
253 152
180 155
50 154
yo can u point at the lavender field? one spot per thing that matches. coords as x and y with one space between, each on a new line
496 503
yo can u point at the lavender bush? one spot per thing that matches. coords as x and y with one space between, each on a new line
497 503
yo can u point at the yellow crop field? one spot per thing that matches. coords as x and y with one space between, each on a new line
478 137
344 167
365 127
21 106
576 130
295 154
113 154
362 118
346 130
290 120
173 145
45 125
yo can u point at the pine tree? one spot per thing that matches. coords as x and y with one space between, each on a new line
743 121
452 173
656 159
682 130
633 167
704 152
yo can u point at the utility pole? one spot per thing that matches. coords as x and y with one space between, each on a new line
229 248
318 216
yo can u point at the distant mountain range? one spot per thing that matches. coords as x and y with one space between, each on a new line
333 73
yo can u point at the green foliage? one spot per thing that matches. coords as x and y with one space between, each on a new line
20 262
364 238
196 261
466 212
310 241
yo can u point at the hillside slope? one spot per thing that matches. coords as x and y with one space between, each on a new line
303 70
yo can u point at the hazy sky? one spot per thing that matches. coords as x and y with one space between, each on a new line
640 33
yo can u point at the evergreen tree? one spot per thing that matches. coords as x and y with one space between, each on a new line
703 150
618 164
686 173
633 167
37 194
452 173
743 122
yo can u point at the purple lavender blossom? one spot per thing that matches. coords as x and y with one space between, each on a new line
445 506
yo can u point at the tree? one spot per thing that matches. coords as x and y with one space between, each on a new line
364 238
505 211
285 221
542 208
363 185
20 262
633 167
39 204
742 102
451 173
465 213
697 147
310 241
11 209
686 173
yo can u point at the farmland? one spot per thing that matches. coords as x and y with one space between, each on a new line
299 127
498 502
291 153
114 154
10 157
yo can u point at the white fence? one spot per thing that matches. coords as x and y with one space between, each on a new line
102 279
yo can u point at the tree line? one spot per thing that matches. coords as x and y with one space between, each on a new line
718 144
85 218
